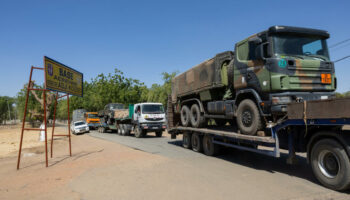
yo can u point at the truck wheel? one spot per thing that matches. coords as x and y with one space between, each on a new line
138 132
186 140
209 148
197 120
248 117
122 127
159 133
196 141
119 130
330 164
185 115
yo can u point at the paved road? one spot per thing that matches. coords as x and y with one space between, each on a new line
235 173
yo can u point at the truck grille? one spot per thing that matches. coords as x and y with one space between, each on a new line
307 78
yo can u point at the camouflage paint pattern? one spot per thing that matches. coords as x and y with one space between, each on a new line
267 76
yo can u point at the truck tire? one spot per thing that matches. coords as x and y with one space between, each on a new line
197 120
186 140
159 133
248 117
330 164
138 132
185 115
122 127
209 148
196 141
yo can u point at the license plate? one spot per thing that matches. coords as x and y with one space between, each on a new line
154 127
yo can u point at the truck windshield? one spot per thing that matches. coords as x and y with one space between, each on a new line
152 109
92 116
303 47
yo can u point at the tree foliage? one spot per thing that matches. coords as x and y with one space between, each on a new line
101 90
6 108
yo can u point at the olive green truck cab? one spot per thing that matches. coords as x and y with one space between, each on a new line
254 84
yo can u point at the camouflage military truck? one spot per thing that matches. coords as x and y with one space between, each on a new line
254 84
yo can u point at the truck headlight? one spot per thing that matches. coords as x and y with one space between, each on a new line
281 100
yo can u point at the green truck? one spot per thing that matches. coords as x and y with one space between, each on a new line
253 85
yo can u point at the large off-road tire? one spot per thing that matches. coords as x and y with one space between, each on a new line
196 141
209 148
159 133
185 115
197 120
186 140
138 132
330 164
248 117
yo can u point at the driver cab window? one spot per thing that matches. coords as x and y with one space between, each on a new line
314 48
138 110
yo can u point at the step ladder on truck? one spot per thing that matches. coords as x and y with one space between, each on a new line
314 127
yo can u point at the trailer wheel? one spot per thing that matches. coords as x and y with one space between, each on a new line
197 120
185 115
138 131
196 142
330 164
159 133
248 117
186 140
209 148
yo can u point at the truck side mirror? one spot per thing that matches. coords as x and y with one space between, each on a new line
260 51
256 40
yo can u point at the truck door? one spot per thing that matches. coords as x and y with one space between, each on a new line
137 113
249 72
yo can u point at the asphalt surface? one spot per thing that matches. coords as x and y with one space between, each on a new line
234 173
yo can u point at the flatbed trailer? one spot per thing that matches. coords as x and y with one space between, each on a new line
314 127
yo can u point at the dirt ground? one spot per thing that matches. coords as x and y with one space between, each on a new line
35 181
100 169
10 138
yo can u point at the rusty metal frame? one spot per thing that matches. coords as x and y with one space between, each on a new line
45 121
54 122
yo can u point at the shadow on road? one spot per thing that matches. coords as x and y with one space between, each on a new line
266 163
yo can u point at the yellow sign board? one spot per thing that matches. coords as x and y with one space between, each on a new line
59 77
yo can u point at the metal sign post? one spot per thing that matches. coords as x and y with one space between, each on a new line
58 78
24 117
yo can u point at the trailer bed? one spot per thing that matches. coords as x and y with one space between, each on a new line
225 132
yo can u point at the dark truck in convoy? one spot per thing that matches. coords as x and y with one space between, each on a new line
276 92
254 84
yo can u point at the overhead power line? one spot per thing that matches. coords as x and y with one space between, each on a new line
339 43
342 58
